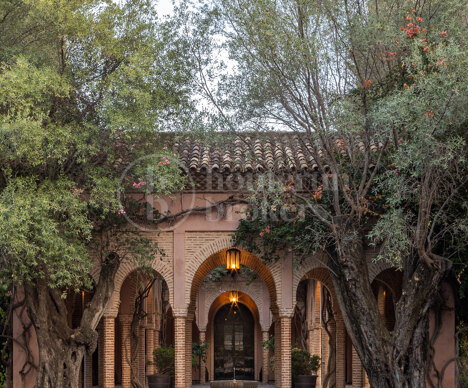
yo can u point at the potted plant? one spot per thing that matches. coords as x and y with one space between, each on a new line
304 367
164 362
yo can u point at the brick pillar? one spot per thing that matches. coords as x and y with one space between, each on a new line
286 379
141 353
100 353
265 360
277 353
156 339
315 330
381 301
358 380
88 377
314 346
340 353
188 353
125 324
149 350
108 326
179 348
202 362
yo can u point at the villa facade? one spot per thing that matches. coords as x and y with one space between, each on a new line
235 313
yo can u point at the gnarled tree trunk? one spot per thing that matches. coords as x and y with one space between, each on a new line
391 359
61 348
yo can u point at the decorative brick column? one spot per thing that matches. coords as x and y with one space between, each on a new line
286 379
188 352
156 339
277 353
314 343
149 350
340 353
179 349
100 351
125 325
358 378
108 333
141 353
88 378
381 301
202 362
265 360
326 347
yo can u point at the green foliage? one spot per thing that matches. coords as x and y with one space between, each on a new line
199 348
269 343
46 233
411 100
273 227
303 363
198 352
87 87
164 360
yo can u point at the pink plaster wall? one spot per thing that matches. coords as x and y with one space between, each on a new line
444 347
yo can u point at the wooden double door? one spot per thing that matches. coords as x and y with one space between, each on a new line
234 343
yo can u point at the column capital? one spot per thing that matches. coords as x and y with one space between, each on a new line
109 316
180 313
125 318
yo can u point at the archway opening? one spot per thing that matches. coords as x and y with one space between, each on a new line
387 287
314 323
247 260
144 322
209 291
234 343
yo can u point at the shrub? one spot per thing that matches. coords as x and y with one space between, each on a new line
302 363
164 360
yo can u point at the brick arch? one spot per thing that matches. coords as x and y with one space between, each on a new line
391 278
160 267
223 300
322 275
316 261
193 262
218 259
320 260
255 296
377 267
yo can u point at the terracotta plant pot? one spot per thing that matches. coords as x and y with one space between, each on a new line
158 381
305 381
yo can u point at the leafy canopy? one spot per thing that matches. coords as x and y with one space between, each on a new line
87 87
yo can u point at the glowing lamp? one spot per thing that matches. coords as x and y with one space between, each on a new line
234 297
233 259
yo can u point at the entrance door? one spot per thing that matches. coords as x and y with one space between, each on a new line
234 343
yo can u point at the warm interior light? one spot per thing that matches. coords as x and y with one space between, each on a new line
234 297
233 259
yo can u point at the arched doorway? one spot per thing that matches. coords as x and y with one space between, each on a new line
234 343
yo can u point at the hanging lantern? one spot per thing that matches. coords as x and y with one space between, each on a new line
233 259
234 297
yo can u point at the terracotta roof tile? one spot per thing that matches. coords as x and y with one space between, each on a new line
249 153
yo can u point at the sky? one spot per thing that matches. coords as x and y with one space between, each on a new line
164 7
